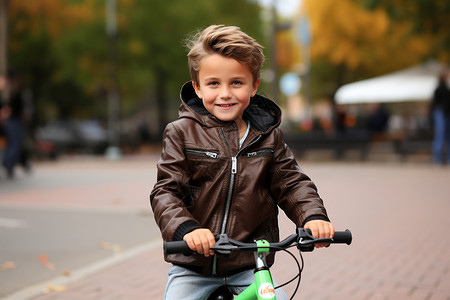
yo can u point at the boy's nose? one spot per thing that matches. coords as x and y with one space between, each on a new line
225 92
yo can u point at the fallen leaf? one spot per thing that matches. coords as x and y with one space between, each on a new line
109 246
55 288
43 258
7 265
105 245
45 263
116 248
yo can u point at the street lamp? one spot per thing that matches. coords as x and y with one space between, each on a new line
113 151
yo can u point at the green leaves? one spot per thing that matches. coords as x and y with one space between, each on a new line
74 50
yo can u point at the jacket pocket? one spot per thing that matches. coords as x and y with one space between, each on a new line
203 165
260 152
200 153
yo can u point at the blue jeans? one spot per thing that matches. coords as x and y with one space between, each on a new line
14 148
441 136
189 285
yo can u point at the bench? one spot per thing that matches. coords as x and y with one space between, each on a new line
338 143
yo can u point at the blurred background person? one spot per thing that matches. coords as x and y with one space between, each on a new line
440 113
11 116
378 119
2 132
340 116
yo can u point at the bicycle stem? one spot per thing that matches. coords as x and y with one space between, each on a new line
263 278
261 254
262 287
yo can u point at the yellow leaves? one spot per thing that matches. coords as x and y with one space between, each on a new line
51 287
443 56
288 51
345 33
378 23
136 47
341 54
52 16
36 7
55 288
80 13
341 28
56 16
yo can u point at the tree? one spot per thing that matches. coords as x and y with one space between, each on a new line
428 18
36 30
357 42
155 32
346 33
63 45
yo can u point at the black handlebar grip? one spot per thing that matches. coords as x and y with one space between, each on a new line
343 237
177 247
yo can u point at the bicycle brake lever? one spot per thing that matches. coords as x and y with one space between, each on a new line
315 241
223 245
303 234
306 240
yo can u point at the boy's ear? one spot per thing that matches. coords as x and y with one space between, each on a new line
197 90
255 87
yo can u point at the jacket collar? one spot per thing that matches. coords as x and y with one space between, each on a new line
263 113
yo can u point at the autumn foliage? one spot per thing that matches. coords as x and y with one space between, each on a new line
53 17
62 50
347 34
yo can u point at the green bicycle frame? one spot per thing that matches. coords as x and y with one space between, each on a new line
262 288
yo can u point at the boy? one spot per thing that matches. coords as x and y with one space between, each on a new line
225 168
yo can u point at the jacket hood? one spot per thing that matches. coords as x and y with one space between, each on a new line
262 112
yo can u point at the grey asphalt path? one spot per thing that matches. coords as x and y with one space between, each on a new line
80 214
397 212
67 238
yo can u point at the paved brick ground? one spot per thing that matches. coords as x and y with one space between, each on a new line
398 214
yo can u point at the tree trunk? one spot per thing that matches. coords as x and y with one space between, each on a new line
4 5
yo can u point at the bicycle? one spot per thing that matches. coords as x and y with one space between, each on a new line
262 288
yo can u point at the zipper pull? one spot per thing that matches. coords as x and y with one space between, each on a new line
233 165
211 154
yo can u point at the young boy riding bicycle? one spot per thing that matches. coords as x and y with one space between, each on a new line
225 168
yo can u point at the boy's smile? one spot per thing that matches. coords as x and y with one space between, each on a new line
225 86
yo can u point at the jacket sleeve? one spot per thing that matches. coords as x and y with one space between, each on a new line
171 189
295 192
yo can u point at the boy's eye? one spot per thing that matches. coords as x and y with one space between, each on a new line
213 83
236 82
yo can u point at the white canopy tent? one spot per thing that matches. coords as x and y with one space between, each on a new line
409 85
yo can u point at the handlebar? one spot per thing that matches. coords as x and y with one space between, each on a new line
303 239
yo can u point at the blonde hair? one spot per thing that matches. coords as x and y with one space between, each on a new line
228 41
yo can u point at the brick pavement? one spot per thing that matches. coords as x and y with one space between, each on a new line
398 217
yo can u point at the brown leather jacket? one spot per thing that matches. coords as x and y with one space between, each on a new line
206 181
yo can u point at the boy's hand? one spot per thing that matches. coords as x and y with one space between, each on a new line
320 230
200 241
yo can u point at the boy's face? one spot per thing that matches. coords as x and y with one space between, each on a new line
225 86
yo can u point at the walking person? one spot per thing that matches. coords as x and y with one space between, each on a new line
440 112
11 116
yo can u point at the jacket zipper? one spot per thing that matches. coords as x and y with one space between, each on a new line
203 153
234 170
229 194
259 152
